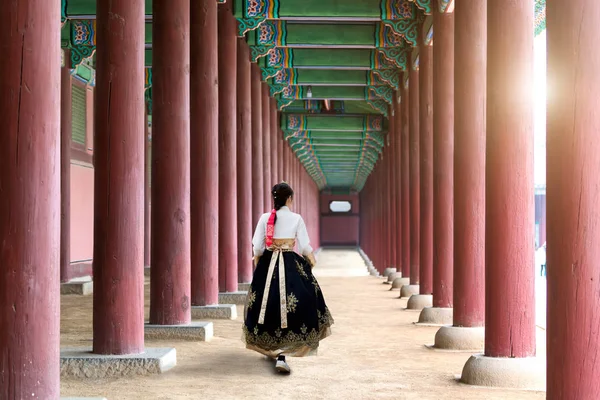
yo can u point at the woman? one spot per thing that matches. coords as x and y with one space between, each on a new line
291 324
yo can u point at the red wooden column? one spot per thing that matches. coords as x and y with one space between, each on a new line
273 138
298 195
65 167
284 160
467 332
383 187
228 243
382 217
204 141
244 162
147 194
30 98
266 119
573 235
258 179
119 179
391 198
509 231
414 183
280 154
171 258
405 178
443 165
401 279
424 299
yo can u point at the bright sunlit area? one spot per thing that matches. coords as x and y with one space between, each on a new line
540 176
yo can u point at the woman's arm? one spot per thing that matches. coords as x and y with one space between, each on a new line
258 240
304 247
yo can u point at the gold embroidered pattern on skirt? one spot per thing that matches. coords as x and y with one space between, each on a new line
251 299
292 302
301 270
292 342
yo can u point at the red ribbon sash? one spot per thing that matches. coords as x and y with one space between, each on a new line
270 229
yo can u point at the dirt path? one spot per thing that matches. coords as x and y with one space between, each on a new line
375 353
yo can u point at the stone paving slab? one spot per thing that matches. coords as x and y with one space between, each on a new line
79 286
195 331
83 364
219 311
238 298
243 287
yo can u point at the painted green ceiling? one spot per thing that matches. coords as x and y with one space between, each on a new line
333 66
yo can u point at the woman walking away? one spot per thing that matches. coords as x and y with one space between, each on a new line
285 312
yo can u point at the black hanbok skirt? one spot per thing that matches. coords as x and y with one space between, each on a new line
306 318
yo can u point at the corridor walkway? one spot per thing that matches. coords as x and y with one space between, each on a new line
375 353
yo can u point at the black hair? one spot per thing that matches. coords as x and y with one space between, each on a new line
281 193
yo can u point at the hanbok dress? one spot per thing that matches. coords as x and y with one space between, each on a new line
285 312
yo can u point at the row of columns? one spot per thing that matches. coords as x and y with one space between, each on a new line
217 149
473 208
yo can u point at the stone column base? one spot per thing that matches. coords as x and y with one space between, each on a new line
83 364
409 290
419 301
374 272
391 277
399 282
238 298
518 373
220 311
243 287
195 331
81 286
388 271
435 316
459 338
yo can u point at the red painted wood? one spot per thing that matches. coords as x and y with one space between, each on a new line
383 261
119 179
280 161
273 139
405 178
335 228
415 213
509 231
244 163
469 163
228 235
30 170
171 251
443 157
65 168
397 141
391 209
258 182
266 120
147 193
284 158
426 168
204 141
573 188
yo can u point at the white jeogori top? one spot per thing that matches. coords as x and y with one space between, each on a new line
288 225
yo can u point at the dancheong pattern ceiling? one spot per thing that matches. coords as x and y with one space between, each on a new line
333 66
